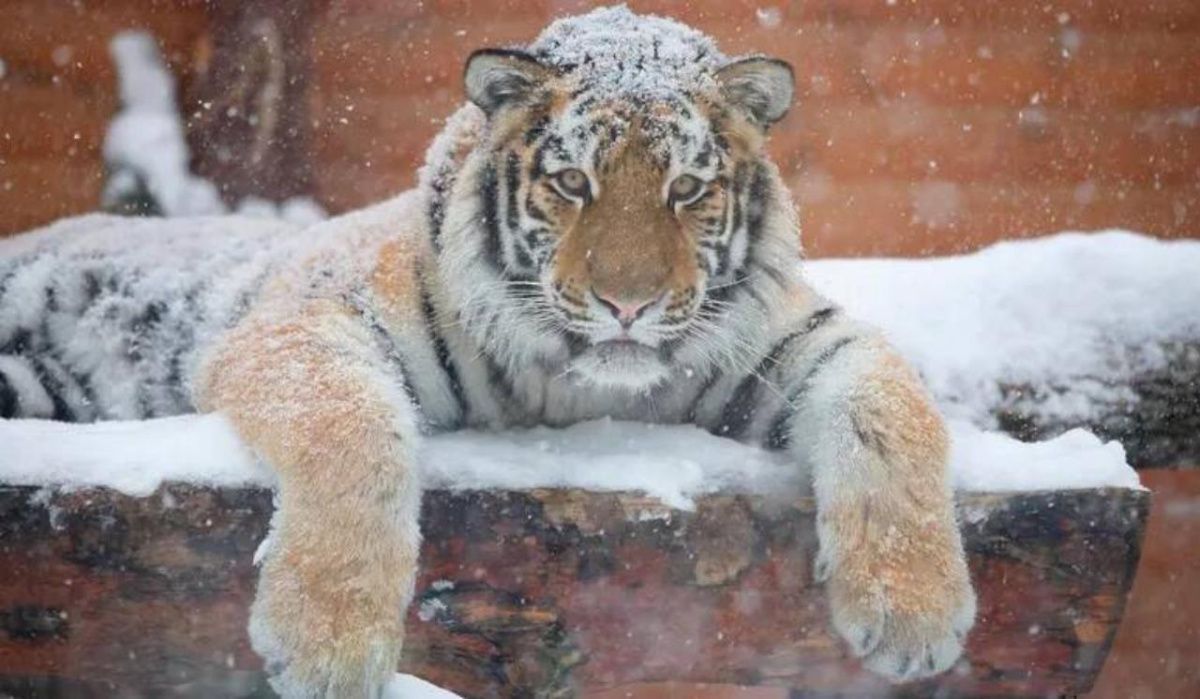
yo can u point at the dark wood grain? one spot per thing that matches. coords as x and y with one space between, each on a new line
546 593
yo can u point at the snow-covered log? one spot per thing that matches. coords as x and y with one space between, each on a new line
1099 331
546 592
1154 413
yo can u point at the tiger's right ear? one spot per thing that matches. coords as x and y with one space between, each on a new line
496 77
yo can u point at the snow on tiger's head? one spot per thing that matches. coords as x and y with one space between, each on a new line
613 184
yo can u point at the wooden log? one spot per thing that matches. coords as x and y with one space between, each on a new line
547 593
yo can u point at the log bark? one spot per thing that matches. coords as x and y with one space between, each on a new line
547 593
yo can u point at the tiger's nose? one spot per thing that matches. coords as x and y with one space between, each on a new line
626 312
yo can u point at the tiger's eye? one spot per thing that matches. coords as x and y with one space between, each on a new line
573 183
685 189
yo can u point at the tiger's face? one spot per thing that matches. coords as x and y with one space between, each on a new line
615 217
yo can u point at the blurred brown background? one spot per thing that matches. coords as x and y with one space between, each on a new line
922 127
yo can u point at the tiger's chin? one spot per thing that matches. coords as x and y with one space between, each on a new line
631 366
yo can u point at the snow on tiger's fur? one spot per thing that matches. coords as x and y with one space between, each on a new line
101 317
598 233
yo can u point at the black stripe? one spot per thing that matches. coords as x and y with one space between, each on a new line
488 192
814 321
739 410
498 379
759 198
92 288
727 214
512 182
437 212
723 292
442 350
186 342
8 398
534 132
747 206
89 409
175 388
779 435
598 154
53 388
383 342
21 342
708 384
739 183
736 212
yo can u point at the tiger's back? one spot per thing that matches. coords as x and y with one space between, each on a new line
102 317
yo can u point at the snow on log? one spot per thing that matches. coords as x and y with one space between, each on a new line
1099 331
547 592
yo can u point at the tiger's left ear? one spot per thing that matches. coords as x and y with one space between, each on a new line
761 87
498 77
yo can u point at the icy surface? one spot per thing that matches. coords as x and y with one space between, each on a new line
673 463
1051 314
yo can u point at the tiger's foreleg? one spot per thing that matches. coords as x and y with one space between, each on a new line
311 396
890 549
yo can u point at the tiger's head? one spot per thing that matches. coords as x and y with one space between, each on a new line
614 194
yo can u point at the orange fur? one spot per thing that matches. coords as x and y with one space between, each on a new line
627 245
345 556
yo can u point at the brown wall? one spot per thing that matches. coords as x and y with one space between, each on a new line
922 127
58 91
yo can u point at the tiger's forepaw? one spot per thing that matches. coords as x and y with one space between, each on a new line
905 625
350 663
324 638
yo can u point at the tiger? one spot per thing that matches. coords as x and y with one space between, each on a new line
597 231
